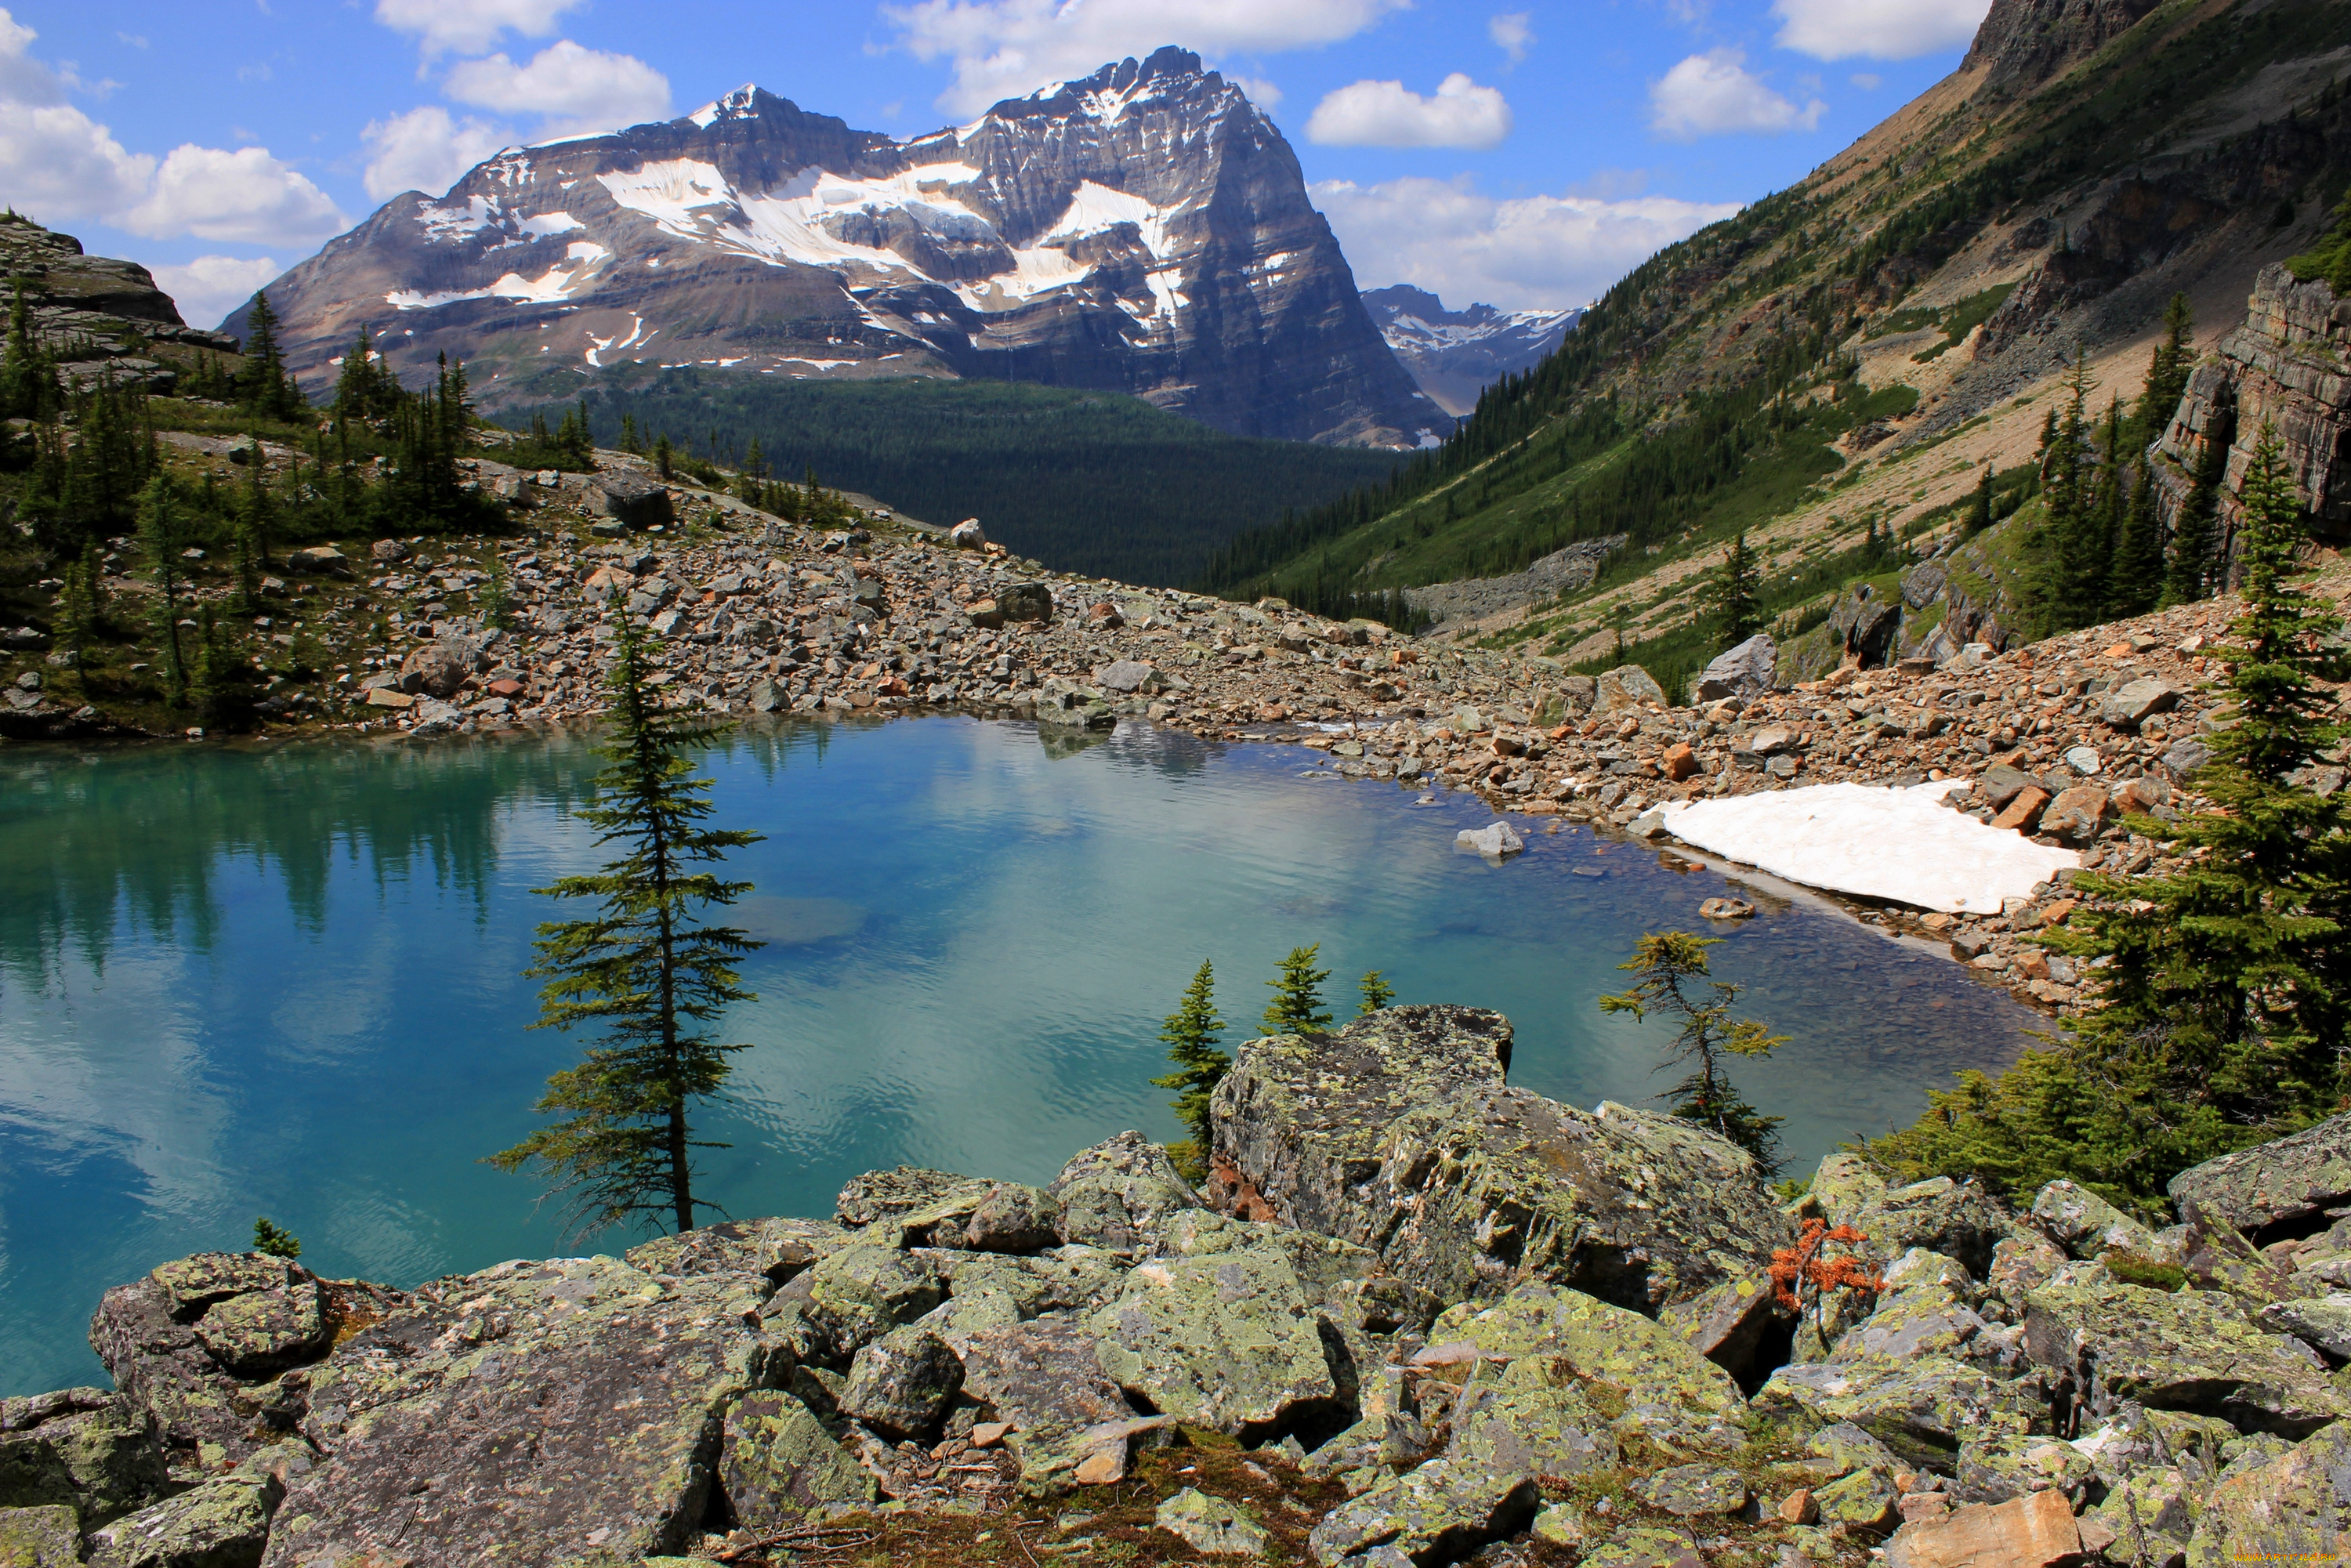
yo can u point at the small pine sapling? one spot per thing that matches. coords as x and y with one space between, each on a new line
274 1240
1377 993
1667 962
1192 1032
1296 1005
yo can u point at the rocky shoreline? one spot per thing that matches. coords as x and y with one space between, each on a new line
1418 1316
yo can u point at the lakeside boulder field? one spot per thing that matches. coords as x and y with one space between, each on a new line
1418 1316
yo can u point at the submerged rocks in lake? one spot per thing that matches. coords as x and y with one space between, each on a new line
1448 1318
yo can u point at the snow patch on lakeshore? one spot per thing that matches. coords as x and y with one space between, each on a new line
1899 844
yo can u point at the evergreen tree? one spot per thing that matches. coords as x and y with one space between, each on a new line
664 456
2224 990
630 443
2192 572
1980 505
2076 548
643 971
265 387
276 1242
1667 963
1734 602
256 523
2167 370
162 534
1296 1005
224 679
2138 581
1192 1032
1377 994
29 380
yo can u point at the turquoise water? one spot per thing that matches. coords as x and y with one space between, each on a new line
287 980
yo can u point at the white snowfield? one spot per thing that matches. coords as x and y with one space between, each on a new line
1898 844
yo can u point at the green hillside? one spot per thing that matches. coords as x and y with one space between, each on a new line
1097 482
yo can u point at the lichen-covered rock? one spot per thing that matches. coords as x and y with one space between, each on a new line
2087 1226
860 1293
1073 1278
1863 1501
211 1386
2196 1351
1841 1187
1046 1379
1389 1440
1013 1218
1437 1513
1229 1340
778 1250
2024 1261
2215 1256
902 1383
1922 1410
1672 1394
1694 1492
2004 1465
778 1462
223 1524
575 1404
1119 1193
1211 1526
2292 1507
1958 1219
894 1194
1726 1322
1398 1133
2291 1178
2324 1322
1929 1318
82 1448
44 1537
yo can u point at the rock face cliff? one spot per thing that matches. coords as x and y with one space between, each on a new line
2024 43
103 322
1454 355
1144 230
2287 367
1361 1372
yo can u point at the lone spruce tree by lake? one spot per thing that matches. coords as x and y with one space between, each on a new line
642 972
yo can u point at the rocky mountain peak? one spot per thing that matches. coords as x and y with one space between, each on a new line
1144 229
2024 43
1456 354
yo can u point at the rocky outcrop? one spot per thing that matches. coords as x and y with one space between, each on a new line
103 322
1397 1133
1564 571
2287 369
2024 43
2284 1184
1144 229
1410 1364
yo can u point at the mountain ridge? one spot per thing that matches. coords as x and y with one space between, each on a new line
1144 229
1455 355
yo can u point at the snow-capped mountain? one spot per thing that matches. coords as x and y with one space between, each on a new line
1456 354
1144 230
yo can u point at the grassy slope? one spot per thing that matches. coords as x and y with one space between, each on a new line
1892 247
1097 482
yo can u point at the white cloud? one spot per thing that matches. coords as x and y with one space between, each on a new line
1387 114
1868 82
1715 94
1881 29
578 91
1003 49
1260 93
23 78
245 196
425 149
469 26
1528 253
207 288
1512 34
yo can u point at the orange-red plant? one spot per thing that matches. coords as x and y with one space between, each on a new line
1800 1271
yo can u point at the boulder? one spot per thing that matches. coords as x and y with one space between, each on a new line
223 1523
902 1383
1496 841
778 1250
2193 1351
574 1403
892 1194
2029 1532
1127 677
1397 1133
1922 1410
2291 1509
777 1463
324 558
391 552
45 1537
1045 1380
629 499
1625 687
1749 670
2087 1226
1959 1219
2076 814
436 669
2004 1466
84 1449
856 1295
154 1336
2187 757
2126 704
1726 1323
2289 1180
1025 601
1120 1194
2324 1322
967 535
1230 1341
1211 1526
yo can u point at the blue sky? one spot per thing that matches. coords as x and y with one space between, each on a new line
1519 152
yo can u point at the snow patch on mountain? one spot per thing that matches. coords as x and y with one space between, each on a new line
1454 355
